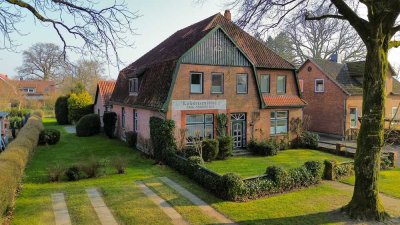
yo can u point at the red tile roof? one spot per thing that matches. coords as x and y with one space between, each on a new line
105 88
155 68
283 100
41 86
4 76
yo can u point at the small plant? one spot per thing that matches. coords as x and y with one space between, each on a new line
196 160
120 163
73 173
91 167
49 136
55 172
210 149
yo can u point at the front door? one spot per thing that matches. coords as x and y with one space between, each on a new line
238 130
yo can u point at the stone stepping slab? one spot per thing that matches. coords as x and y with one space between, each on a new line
101 209
197 201
176 218
60 209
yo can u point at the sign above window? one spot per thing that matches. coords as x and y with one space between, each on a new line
198 104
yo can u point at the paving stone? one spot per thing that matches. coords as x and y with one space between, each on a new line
165 206
197 201
102 211
60 209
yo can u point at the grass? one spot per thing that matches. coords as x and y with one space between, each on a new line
247 166
315 205
389 182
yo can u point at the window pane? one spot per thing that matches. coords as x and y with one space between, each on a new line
264 83
209 118
209 131
272 129
281 114
281 84
217 83
196 118
272 115
319 85
353 117
241 83
195 130
195 83
281 126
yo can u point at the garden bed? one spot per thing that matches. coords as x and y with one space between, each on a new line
248 166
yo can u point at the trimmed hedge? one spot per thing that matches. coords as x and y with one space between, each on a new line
110 121
162 137
61 110
264 148
13 161
88 125
306 140
210 149
49 136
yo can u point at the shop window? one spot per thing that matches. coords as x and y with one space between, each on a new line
199 126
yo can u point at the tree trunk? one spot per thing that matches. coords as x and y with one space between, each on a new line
366 203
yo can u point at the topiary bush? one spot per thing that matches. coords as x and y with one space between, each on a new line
88 125
79 105
225 147
61 110
110 121
162 137
210 149
196 160
276 174
49 136
231 187
264 148
131 138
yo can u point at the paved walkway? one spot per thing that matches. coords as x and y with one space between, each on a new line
102 211
197 201
391 204
60 209
177 219
70 129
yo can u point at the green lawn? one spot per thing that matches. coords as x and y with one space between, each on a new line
389 182
315 205
248 166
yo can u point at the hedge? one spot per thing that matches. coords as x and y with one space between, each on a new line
264 148
162 137
61 110
79 105
13 161
109 121
88 125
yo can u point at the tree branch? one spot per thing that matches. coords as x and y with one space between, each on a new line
308 17
394 44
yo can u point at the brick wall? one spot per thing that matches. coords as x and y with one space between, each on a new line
326 109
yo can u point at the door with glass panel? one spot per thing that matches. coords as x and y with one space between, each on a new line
238 129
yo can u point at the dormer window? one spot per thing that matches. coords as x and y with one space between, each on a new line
133 86
29 90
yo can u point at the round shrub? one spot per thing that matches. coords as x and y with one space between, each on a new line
264 148
109 121
225 147
79 105
190 151
88 125
306 140
61 110
49 136
232 187
131 138
196 160
276 174
210 149
314 167
72 173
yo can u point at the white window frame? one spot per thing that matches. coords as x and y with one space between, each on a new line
323 86
222 83
133 86
201 83
301 84
274 121
269 83
135 121
351 125
247 83
284 85
123 117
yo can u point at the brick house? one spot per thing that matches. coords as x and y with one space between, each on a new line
208 68
333 92
35 89
102 104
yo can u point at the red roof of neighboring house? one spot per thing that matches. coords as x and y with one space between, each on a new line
283 100
156 67
105 88
3 76
41 86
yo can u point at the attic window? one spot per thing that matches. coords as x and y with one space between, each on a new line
133 86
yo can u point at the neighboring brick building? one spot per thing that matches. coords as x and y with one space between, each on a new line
208 68
35 89
333 92
102 100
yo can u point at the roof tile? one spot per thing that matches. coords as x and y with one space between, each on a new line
283 100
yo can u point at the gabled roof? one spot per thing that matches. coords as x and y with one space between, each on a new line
42 86
155 69
104 89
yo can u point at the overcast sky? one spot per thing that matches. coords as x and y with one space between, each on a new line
160 19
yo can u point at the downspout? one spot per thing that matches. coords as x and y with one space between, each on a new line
345 119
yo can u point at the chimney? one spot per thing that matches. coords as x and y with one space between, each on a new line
228 15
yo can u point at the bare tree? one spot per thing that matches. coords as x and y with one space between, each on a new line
89 72
281 45
42 61
99 30
377 30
